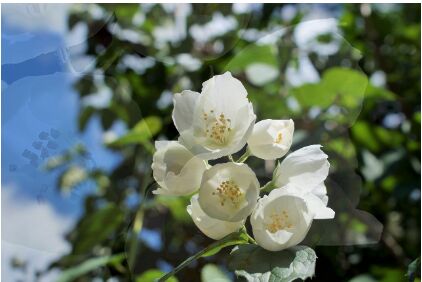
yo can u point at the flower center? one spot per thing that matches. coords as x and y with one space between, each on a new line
229 191
279 138
279 221
217 127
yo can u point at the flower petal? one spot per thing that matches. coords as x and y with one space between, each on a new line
211 227
184 109
305 168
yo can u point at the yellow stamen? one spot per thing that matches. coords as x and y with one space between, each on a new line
279 138
279 222
229 191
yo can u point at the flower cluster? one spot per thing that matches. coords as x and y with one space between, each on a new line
219 122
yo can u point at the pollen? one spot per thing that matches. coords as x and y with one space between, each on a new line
279 221
279 138
229 191
217 127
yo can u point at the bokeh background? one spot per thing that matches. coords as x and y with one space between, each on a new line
86 89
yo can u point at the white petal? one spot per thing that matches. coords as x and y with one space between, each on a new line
184 109
229 209
306 168
211 227
271 139
225 93
318 207
278 203
176 169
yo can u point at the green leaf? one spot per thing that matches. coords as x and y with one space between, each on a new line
140 133
176 206
231 239
338 86
264 54
256 264
94 263
212 273
94 228
152 275
242 238
346 84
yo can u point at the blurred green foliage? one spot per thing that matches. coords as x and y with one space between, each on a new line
364 110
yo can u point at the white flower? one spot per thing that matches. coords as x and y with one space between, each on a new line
303 172
176 169
229 191
316 199
271 139
280 220
306 167
216 122
211 227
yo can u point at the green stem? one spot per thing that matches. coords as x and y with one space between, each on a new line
250 239
268 186
245 156
217 244
137 226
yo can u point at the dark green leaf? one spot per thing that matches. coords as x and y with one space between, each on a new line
94 263
94 228
414 269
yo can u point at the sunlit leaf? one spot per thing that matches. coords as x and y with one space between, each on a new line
141 132
152 275
339 86
264 54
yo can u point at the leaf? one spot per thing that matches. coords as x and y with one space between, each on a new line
338 86
236 240
231 239
176 206
212 273
414 269
264 54
256 264
152 275
94 228
347 84
140 133
72 273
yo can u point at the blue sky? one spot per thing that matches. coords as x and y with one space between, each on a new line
39 114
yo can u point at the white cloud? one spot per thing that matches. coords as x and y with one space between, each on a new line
35 17
32 232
